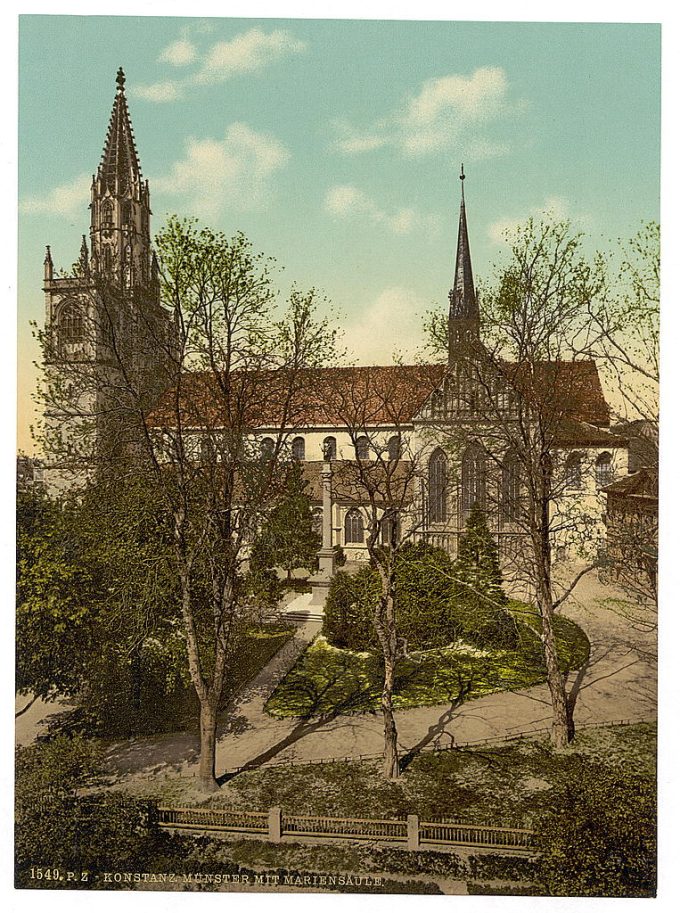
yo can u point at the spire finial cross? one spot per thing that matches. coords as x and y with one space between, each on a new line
120 79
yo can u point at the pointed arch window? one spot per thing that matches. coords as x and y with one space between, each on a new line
603 469
573 471
330 448
354 526
107 214
298 448
70 324
361 447
473 478
510 487
437 486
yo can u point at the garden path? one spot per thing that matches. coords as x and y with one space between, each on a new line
618 683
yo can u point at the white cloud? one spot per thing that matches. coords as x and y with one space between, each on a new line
344 201
389 325
451 111
231 172
179 53
169 90
470 98
246 53
554 207
66 200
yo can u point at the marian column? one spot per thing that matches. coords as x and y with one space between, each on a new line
321 581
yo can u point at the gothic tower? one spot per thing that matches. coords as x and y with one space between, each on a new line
120 214
463 306
104 318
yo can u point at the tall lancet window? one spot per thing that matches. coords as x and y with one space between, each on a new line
354 526
107 214
510 487
473 478
437 486
362 447
573 471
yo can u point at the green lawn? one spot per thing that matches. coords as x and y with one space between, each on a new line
326 679
501 785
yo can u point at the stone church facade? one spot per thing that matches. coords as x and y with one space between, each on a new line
427 415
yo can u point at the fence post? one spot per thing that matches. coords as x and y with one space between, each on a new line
274 824
412 832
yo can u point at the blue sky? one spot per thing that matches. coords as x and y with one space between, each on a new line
336 145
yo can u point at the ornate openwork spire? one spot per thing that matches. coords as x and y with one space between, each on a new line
462 297
119 166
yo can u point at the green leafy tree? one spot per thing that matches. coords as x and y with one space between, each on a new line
97 616
288 538
224 358
479 601
56 607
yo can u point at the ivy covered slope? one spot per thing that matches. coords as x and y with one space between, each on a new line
462 637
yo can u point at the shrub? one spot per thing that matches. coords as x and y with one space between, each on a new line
424 597
55 827
597 837
479 602
348 613
431 612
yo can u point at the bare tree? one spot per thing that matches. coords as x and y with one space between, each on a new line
625 326
626 340
383 484
179 398
521 413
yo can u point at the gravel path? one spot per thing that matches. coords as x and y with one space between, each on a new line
618 683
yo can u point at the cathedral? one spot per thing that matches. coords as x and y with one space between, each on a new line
426 419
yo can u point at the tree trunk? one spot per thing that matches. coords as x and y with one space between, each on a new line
563 722
391 753
206 769
562 713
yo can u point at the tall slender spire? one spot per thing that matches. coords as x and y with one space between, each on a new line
463 306
119 166
462 297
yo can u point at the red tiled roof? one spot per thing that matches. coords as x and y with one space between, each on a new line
574 387
383 395
366 395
